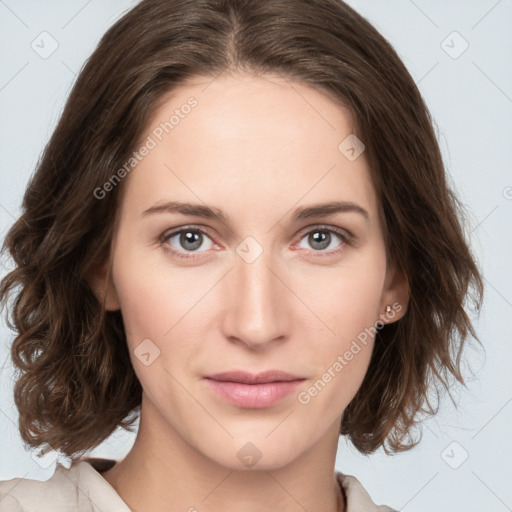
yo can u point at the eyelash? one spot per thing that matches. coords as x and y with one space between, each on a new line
346 239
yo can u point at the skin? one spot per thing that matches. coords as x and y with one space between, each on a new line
256 148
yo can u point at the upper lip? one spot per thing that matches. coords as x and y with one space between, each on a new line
250 378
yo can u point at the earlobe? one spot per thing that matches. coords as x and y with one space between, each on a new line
102 285
395 296
110 296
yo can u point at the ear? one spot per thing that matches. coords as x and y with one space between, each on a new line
101 283
395 296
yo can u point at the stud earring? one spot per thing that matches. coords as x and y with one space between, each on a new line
388 309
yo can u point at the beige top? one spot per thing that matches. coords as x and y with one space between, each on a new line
81 488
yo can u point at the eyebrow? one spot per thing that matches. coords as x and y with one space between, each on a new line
301 213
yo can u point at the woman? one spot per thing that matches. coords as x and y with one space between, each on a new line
322 293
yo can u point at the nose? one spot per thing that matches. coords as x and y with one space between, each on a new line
257 308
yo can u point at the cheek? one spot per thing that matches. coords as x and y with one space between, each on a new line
152 297
162 304
344 300
156 316
346 303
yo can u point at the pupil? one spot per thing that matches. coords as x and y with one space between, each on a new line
191 237
320 237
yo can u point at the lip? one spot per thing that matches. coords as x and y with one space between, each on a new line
254 378
253 391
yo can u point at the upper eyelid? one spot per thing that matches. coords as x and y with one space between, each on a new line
172 232
320 227
342 232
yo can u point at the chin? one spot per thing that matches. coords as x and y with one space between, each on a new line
242 454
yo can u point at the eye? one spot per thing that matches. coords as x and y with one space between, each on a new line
186 240
323 237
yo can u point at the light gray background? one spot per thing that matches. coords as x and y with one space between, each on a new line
470 98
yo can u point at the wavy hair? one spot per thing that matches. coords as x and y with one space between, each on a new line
75 384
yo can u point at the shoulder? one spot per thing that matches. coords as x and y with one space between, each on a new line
72 489
356 496
27 494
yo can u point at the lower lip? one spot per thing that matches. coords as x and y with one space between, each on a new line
253 396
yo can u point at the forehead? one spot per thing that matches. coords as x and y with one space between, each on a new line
247 139
252 110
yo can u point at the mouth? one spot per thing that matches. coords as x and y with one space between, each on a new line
257 378
253 391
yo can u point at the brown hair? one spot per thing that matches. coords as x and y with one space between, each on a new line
76 383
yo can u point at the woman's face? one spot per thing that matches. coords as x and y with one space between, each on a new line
259 278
